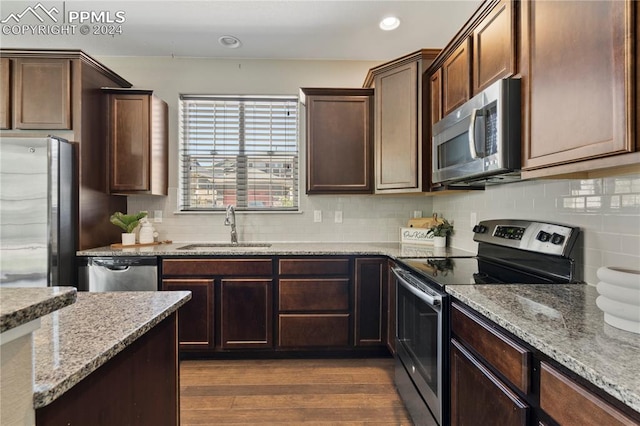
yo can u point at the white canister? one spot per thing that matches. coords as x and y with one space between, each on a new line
146 233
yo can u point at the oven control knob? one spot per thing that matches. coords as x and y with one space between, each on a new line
543 236
557 239
479 229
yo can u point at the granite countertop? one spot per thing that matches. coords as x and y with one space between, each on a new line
74 341
564 323
19 306
395 250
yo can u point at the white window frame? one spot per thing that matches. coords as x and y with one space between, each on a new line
229 148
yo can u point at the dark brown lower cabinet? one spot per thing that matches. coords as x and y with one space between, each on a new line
139 386
571 404
370 310
195 318
246 313
391 309
478 397
313 330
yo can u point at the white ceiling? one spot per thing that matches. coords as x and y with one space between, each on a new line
293 29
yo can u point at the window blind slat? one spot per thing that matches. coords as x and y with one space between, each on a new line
240 151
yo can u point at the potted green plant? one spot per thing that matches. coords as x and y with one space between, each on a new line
128 222
440 231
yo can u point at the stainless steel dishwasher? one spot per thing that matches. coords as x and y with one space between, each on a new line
118 273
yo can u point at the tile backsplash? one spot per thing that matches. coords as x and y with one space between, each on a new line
607 210
366 218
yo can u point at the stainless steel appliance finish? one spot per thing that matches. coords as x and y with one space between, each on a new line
121 273
38 212
421 341
509 251
479 142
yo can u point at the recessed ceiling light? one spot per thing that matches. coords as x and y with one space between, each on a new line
229 41
389 23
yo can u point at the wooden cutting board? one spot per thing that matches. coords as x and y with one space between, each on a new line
155 243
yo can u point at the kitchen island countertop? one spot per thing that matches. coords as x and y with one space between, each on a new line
19 306
76 340
564 323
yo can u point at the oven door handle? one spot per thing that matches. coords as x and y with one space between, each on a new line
433 301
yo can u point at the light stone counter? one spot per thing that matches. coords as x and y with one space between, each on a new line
564 323
21 312
394 250
76 340
18 306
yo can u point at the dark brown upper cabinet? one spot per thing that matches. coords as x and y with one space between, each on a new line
494 46
138 142
578 80
5 93
41 93
456 77
398 123
339 140
435 87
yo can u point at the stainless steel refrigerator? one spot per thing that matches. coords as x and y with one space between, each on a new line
38 212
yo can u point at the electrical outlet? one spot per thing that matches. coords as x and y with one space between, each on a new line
157 216
473 219
338 216
317 215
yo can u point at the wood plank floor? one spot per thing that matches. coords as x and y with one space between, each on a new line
290 391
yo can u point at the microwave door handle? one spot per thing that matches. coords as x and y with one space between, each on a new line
472 134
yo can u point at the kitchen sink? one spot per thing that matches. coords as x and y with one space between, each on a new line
204 246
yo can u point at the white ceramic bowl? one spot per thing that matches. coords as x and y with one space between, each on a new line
619 293
622 324
618 309
623 277
620 315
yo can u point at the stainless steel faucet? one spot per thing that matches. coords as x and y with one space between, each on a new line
230 220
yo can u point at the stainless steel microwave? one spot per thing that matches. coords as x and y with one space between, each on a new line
480 141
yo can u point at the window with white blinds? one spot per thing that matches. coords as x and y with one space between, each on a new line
241 151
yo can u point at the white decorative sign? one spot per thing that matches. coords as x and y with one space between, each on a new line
415 236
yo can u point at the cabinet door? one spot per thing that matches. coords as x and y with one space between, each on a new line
313 294
571 404
129 141
370 312
396 149
339 144
42 93
391 310
246 313
456 78
5 93
494 46
577 80
313 330
435 86
195 318
478 397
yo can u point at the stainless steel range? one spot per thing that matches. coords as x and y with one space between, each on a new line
509 252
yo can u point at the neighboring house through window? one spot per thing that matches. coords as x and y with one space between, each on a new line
238 150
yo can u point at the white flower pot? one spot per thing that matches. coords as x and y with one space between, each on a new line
439 242
128 239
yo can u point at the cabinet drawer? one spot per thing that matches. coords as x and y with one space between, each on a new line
226 267
510 359
314 295
300 330
314 267
571 404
